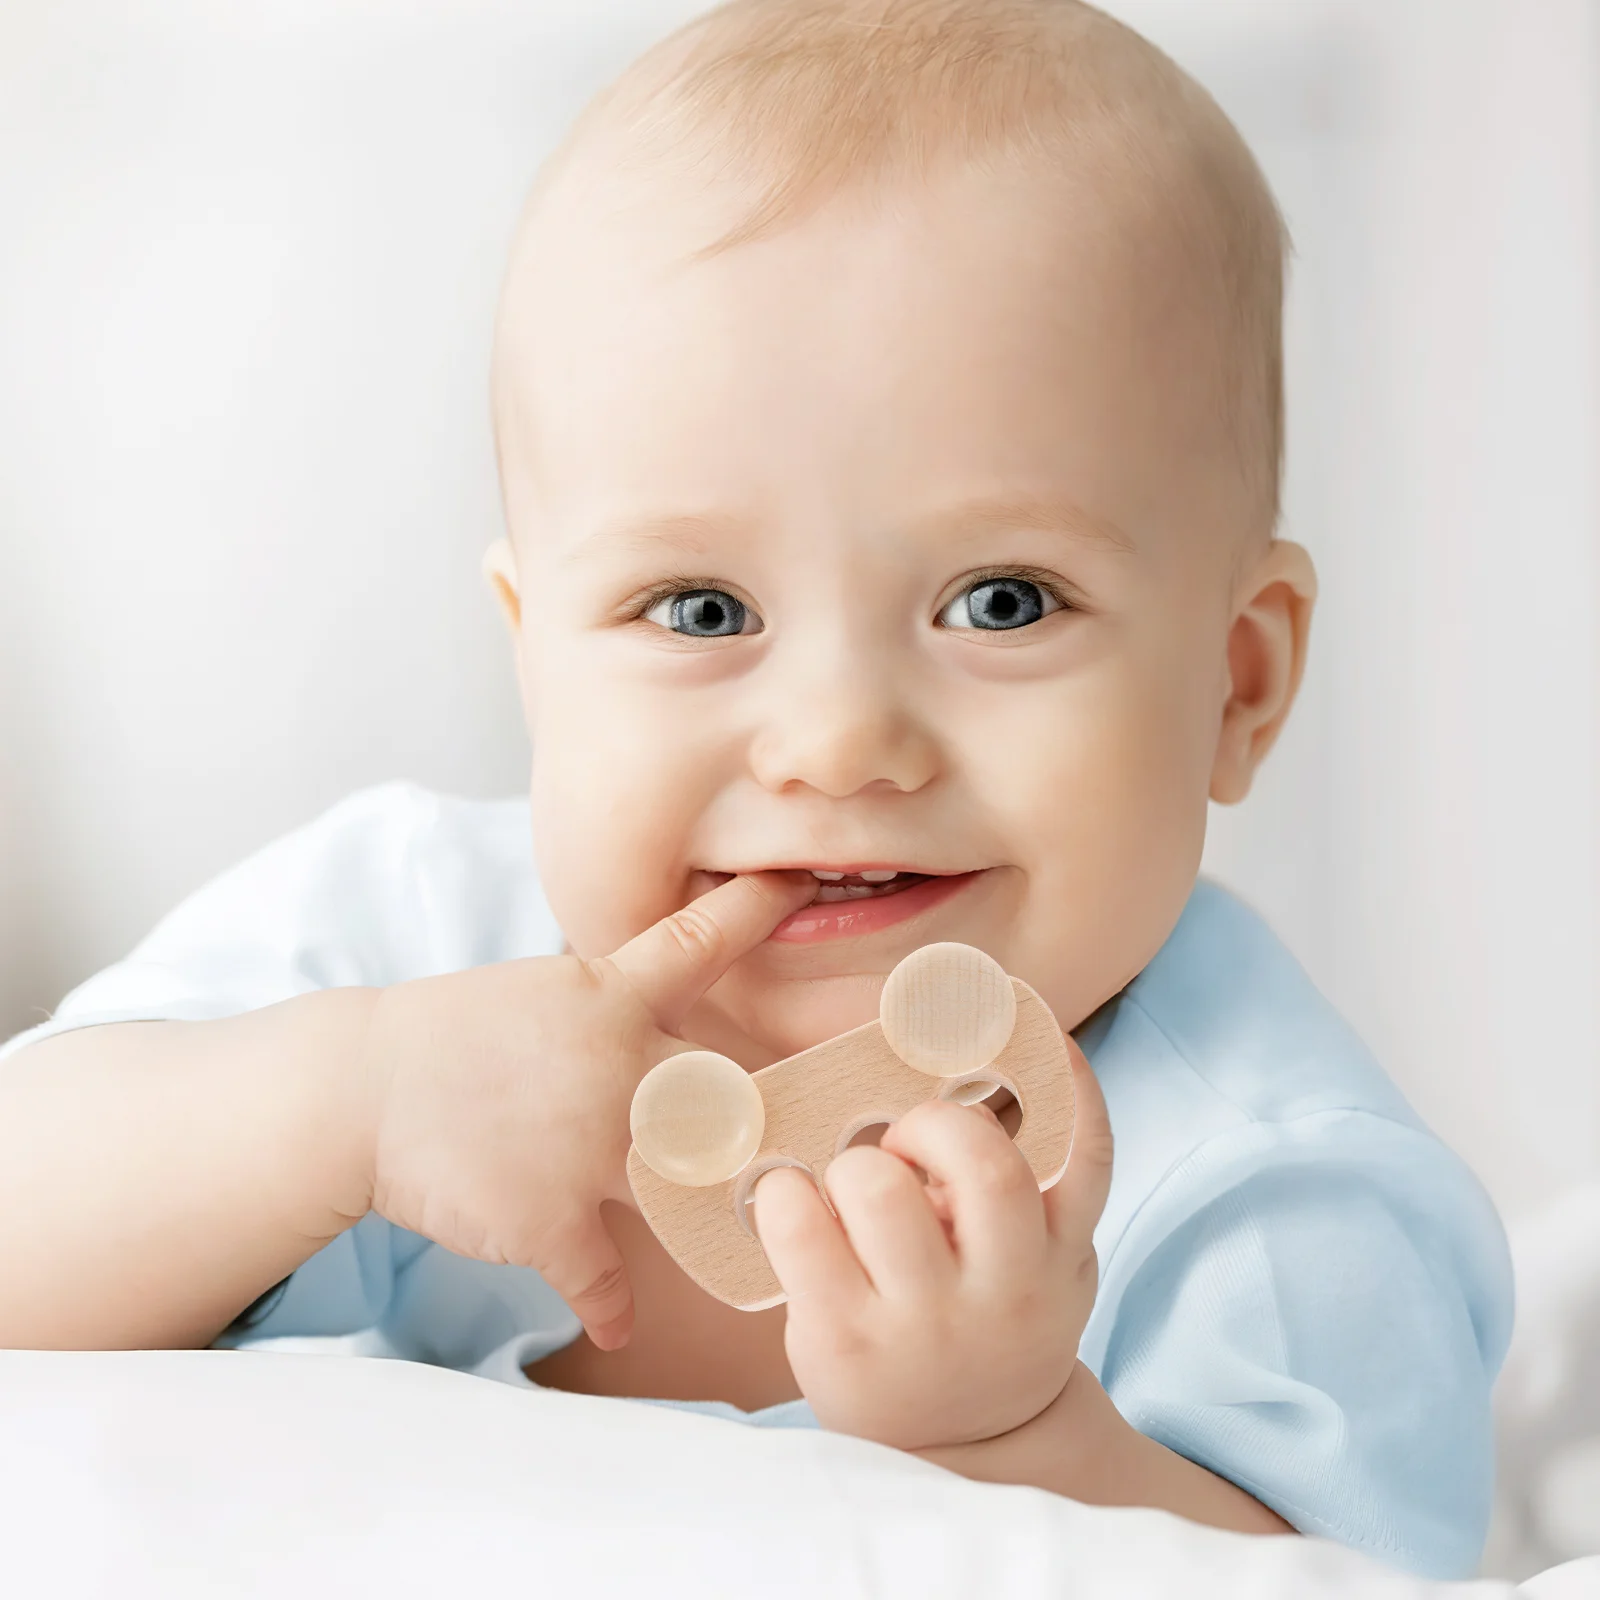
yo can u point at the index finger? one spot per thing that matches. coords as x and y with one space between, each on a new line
672 963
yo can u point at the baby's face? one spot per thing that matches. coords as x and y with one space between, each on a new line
903 540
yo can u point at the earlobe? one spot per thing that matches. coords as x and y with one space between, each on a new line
1266 660
500 568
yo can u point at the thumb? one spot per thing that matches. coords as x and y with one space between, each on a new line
671 964
586 1269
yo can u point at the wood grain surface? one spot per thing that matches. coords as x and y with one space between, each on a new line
815 1102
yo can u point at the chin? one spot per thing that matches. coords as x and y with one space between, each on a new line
788 1015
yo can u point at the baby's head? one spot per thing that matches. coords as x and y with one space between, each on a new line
889 406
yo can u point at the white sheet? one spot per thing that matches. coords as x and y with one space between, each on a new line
1548 1400
211 1474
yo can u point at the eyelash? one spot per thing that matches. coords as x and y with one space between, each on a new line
635 608
1048 581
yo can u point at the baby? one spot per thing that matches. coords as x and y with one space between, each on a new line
889 405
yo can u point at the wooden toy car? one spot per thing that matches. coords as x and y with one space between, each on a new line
951 1025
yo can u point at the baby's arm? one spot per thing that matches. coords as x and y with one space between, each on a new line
1309 1320
944 1317
156 1177
1082 1447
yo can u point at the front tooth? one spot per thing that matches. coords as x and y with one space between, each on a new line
827 877
879 877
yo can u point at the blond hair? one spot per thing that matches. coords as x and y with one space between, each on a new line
806 98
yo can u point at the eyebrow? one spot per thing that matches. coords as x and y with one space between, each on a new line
1041 514
691 533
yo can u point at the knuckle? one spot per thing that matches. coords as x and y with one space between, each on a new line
920 1118
468 1234
526 1242
601 1288
783 1196
1098 1147
844 1343
516 1250
588 978
1000 1172
923 1111
694 933
867 1177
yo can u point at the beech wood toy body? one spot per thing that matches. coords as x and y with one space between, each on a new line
951 1025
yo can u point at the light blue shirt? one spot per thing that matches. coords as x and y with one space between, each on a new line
1301 1288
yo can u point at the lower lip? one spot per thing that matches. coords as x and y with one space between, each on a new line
853 919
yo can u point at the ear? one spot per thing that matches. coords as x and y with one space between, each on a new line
500 568
1266 658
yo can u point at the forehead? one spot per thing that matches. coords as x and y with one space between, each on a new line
980 327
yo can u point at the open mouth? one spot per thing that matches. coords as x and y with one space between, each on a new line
874 883
853 902
857 898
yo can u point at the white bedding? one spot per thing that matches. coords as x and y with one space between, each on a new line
1547 1402
209 1474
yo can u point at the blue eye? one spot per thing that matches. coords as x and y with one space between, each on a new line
703 614
997 604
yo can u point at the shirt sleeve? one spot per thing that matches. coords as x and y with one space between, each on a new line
393 883
1316 1310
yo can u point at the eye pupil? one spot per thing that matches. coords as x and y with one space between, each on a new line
1004 603
707 614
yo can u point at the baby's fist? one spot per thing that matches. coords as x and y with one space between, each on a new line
946 1312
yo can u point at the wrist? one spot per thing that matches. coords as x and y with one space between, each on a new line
1073 1434
1080 1446
323 1064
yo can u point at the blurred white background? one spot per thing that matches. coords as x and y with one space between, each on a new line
248 256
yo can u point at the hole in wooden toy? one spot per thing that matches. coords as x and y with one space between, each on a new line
871 1134
972 1090
992 1091
869 1129
1005 1107
744 1192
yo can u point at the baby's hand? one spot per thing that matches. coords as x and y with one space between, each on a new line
502 1093
939 1315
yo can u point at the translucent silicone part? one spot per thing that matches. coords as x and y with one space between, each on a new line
697 1119
948 1010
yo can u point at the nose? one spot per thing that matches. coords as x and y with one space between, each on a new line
841 730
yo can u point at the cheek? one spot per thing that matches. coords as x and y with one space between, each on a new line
1106 807
619 788
1113 747
1122 789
